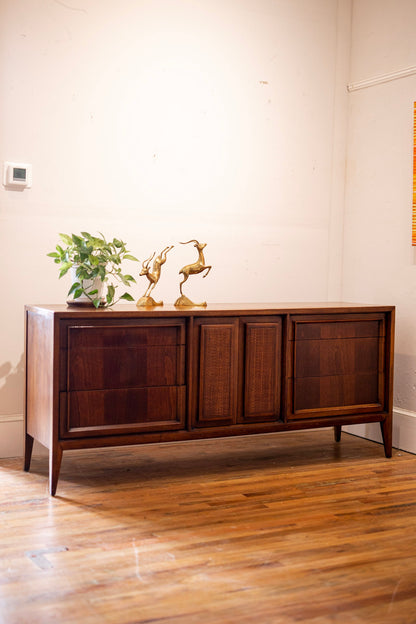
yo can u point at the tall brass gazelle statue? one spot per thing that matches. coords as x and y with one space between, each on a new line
193 269
153 276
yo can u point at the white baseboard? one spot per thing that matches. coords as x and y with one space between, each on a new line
11 437
404 430
404 433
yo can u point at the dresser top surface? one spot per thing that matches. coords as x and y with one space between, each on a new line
212 309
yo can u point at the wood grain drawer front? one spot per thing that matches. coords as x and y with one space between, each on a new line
217 370
124 357
336 366
262 370
112 412
337 329
320 393
319 358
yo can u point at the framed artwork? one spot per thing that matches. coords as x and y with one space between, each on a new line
414 178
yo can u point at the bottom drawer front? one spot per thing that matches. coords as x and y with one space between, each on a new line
336 391
104 412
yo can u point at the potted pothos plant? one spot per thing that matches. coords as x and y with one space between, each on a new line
93 262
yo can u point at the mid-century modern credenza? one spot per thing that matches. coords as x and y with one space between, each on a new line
128 375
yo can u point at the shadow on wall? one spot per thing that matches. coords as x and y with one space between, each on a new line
12 387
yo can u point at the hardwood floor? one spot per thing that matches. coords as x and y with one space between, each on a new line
279 528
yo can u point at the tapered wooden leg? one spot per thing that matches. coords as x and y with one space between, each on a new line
55 459
387 434
337 433
28 452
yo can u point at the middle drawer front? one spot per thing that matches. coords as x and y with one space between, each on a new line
116 356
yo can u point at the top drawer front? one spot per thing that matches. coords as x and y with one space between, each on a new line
336 329
120 337
116 356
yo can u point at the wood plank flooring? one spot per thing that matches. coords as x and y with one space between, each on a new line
266 529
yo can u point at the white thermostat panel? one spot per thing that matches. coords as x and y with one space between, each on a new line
17 175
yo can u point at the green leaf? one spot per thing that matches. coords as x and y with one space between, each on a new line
53 254
82 272
93 260
74 286
77 240
67 239
78 293
93 273
127 296
110 294
96 303
130 257
65 268
126 279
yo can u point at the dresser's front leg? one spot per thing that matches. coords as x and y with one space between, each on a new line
386 427
28 452
55 459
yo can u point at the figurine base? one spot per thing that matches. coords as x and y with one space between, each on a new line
148 302
184 302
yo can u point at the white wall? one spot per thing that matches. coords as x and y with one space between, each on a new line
164 120
379 263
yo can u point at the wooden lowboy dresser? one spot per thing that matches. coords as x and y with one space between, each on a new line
129 375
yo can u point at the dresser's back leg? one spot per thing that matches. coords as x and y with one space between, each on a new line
337 433
28 451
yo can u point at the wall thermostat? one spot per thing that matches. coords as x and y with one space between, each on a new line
17 175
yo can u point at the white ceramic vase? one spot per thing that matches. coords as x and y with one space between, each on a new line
88 286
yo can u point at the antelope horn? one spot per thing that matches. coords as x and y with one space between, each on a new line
190 241
149 259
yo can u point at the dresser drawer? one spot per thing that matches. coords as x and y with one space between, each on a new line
336 365
333 329
119 356
112 412
336 357
121 377
128 368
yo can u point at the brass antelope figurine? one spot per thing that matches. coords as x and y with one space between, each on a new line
193 269
153 276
